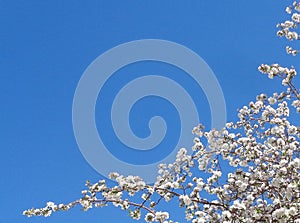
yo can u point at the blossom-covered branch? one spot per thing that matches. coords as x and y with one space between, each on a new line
260 152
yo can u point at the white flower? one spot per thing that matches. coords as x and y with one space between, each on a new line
185 199
226 214
161 216
288 10
149 217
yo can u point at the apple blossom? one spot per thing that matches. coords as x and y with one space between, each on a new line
262 149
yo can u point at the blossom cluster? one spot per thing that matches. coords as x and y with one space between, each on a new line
260 152
262 148
288 28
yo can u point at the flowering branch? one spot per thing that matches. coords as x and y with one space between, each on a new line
261 152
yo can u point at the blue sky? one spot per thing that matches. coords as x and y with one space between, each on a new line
45 46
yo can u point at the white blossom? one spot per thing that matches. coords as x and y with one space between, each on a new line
249 171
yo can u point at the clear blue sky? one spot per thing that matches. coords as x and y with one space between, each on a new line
45 46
